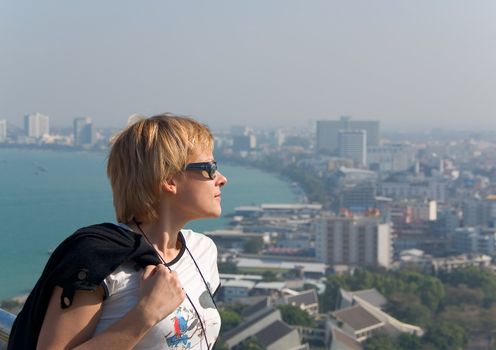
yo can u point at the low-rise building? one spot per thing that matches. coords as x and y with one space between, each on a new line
306 300
363 320
233 290
416 258
268 328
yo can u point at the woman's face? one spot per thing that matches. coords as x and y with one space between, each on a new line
198 196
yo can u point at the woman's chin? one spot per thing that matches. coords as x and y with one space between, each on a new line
217 213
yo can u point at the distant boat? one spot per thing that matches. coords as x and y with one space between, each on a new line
39 167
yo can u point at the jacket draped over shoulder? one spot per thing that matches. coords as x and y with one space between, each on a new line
80 262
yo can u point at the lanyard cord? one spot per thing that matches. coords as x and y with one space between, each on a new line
203 278
187 296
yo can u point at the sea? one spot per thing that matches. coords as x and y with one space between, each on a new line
46 195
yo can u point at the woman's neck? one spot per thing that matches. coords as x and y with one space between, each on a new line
164 238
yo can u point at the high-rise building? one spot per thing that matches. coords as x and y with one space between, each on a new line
244 142
353 241
352 144
36 125
357 189
327 132
3 130
358 197
83 131
239 130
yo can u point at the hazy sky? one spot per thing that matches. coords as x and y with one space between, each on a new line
410 64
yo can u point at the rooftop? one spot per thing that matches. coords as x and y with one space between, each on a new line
372 296
345 339
291 206
357 317
238 284
307 297
251 310
281 264
244 325
231 276
273 332
271 285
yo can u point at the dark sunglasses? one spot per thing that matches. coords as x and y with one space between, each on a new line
208 169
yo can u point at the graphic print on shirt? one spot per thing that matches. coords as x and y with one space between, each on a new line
185 326
206 300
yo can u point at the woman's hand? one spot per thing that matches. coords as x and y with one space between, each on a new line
161 292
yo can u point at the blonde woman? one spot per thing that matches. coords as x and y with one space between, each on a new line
145 282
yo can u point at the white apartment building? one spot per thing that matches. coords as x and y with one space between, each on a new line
354 241
3 130
36 125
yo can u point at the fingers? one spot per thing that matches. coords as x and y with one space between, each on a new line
148 271
161 292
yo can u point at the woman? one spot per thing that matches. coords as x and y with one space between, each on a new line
145 283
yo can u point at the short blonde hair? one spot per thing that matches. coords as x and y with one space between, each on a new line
144 155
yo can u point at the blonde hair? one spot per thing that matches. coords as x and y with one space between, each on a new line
147 153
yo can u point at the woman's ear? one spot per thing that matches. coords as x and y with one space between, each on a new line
169 186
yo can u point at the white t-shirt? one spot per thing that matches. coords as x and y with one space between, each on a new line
181 329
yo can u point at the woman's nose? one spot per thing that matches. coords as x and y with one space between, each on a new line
221 179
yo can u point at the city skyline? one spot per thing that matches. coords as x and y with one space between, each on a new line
411 66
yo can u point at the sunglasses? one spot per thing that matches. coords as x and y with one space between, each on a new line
208 169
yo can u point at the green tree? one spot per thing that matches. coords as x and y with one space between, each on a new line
431 292
409 342
230 319
251 343
473 277
407 308
328 299
269 276
220 345
228 266
253 245
295 316
446 336
380 342
462 294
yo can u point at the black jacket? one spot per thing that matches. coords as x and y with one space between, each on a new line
81 262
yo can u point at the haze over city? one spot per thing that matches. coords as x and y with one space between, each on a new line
410 65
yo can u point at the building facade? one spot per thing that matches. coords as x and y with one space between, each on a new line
475 240
3 130
354 241
391 157
352 144
426 188
328 130
36 125
83 131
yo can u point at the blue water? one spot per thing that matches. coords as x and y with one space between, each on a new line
47 195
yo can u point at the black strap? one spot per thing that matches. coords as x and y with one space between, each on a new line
183 241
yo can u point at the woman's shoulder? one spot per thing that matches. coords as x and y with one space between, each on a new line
86 253
197 239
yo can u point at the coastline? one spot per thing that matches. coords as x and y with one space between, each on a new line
50 147
74 192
